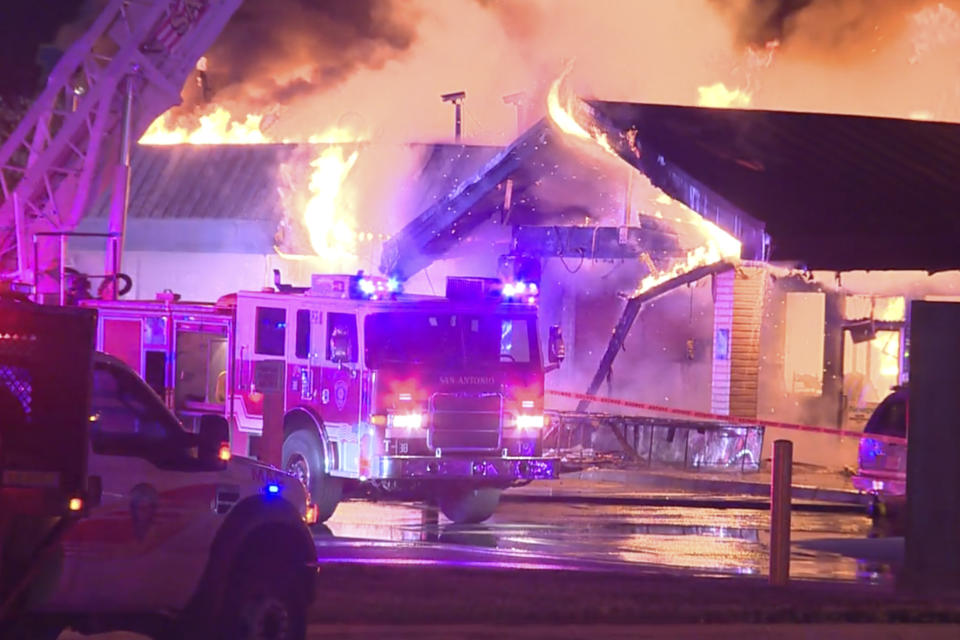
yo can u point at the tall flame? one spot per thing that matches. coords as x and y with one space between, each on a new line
325 216
562 110
216 127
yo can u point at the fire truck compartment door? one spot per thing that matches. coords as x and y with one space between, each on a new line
340 387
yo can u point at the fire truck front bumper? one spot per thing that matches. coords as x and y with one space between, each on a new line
495 469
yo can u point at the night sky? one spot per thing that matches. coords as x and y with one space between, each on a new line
24 26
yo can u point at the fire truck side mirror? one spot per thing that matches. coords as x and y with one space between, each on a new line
556 349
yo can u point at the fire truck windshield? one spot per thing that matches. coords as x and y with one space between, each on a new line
450 340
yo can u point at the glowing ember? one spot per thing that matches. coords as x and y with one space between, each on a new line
718 95
562 110
331 232
217 127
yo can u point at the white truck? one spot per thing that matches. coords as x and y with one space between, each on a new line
146 526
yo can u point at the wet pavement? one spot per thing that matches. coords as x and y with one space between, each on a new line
572 535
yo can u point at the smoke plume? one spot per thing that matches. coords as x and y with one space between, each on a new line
827 29
274 51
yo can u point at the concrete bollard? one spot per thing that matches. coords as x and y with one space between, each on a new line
781 491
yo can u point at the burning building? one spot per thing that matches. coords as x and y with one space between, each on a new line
610 201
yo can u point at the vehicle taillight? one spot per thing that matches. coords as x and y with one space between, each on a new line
75 504
224 452
312 514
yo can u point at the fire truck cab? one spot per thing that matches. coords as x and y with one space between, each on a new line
358 389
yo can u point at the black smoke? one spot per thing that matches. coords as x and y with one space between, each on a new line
826 28
274 51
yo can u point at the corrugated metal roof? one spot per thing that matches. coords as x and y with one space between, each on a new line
192 181
241 181
836 192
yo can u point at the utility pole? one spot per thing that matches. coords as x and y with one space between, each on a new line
457 100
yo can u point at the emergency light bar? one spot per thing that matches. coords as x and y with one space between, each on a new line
466 288
355 287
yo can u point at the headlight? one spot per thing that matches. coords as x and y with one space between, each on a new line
530 421
405 420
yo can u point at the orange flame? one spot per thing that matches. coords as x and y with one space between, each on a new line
717 245
326 215
719 96
216 127
562 110
714 244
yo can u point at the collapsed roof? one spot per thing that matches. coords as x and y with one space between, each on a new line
835 192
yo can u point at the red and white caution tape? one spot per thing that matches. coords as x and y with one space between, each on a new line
689 413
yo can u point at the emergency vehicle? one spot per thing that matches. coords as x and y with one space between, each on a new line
378 393
113 516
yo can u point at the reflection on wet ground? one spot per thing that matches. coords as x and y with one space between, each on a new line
730 541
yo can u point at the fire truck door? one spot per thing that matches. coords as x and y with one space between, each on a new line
340 386
200 375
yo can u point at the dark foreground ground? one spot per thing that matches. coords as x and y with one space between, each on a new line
436 595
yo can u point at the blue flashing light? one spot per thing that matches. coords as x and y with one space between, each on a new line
518 290
273 489
393 285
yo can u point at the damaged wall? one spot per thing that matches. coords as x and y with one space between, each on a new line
853 376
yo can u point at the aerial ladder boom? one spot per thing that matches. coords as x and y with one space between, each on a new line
104 92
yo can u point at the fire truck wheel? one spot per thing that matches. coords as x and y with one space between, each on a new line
469 505
303 456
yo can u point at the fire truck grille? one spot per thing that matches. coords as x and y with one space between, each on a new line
465 422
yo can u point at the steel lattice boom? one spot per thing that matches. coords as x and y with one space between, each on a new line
137 53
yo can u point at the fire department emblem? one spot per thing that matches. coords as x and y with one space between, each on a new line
340 394
143 509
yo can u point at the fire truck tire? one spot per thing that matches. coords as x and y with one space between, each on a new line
469 505
303 456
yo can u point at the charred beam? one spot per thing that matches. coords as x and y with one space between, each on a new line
629 315
604 243
443 225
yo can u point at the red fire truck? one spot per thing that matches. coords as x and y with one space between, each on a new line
376 392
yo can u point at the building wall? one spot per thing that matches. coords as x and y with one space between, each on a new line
840 395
